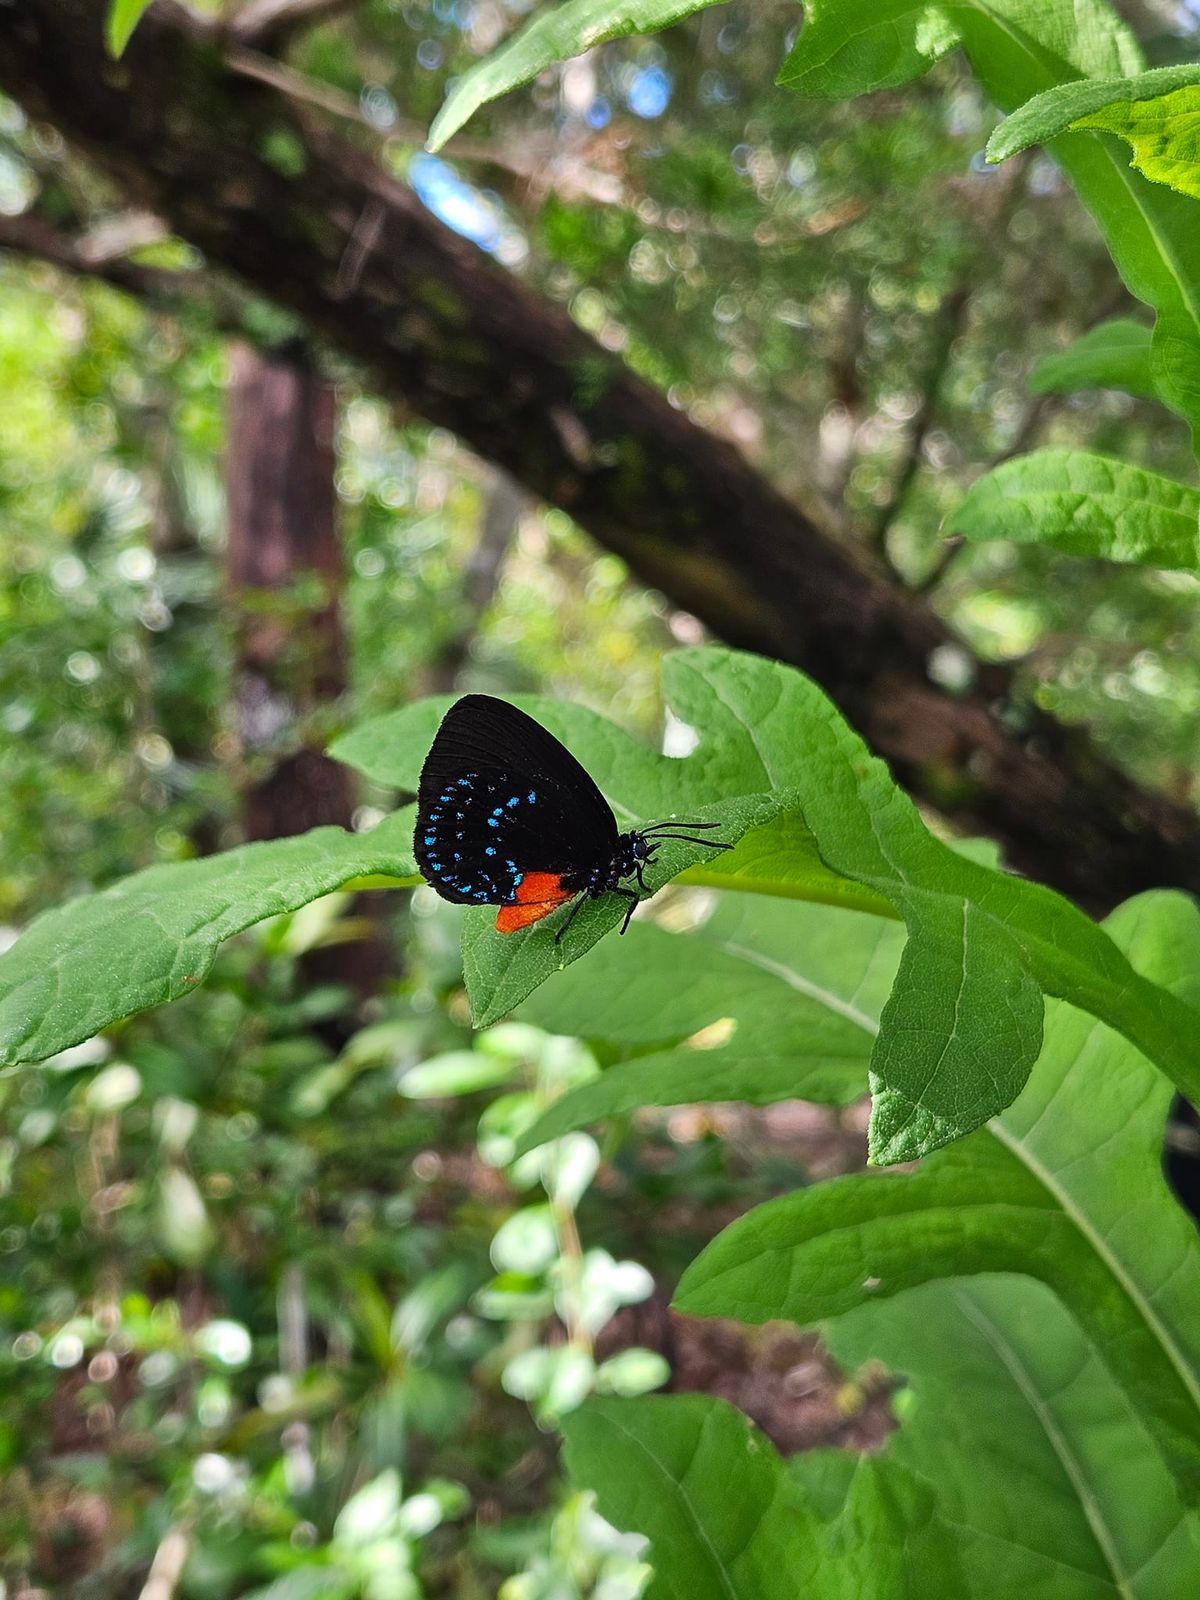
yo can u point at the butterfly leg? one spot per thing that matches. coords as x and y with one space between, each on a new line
574 912
633 903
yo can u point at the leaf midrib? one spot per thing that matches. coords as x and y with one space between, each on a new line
1079 1219
1073 1468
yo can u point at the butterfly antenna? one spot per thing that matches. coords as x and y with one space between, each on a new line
686 838
694 827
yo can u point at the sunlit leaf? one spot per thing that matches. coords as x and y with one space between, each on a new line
120 20
1046 115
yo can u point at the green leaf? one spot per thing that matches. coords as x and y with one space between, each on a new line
1085 505
122 18
453 1073
555 34
844 51
767 1001
1020 50
501 969
1048 1481
703 1485
727 1518
152 937
768 735
1113 355
1067 105
1164 135
1065 1186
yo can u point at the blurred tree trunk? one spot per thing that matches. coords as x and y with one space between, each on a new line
250 173
284 574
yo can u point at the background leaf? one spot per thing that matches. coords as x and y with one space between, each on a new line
555 34
1019 52
1085 505
1113 355
122 18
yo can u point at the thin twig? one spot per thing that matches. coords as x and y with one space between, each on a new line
169 1560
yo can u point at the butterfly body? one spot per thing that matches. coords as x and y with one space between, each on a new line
507 816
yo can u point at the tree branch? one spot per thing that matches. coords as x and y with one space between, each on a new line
439 325
269 24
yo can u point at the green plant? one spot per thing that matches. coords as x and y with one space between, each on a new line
785 991
1032 1277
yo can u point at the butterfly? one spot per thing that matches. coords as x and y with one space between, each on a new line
507 817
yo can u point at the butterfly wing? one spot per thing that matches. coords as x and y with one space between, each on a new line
501 798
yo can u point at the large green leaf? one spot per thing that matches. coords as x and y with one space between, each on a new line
1020 49
152 937
1065 1186
1086 505
963 1024
767 1001
1059 109
726 1518
1113 355
1046 1479
555 34
704 1486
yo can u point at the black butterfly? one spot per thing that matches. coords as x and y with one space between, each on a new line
506 816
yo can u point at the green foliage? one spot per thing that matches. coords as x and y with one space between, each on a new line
1018 53
120 20
1086 505
1113 355
725 1516
152 937
957 1036
553 35
1065 1186
771 1001
1074 105
1034 1284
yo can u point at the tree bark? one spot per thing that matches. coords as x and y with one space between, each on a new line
307 218
279 471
